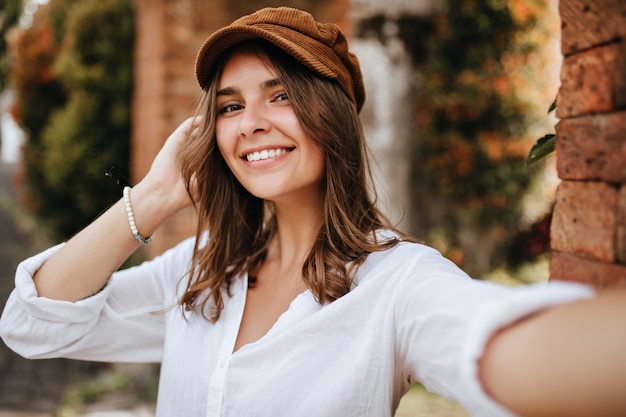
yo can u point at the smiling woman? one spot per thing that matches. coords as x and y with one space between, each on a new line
255 118
296 296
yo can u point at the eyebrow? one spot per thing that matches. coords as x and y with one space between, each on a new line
229 91
271 83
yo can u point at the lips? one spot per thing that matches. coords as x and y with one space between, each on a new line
266 154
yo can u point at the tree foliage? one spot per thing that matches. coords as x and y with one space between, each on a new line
473 121
9 15
37 94
84 125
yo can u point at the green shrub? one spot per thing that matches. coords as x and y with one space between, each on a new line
9 14
474 119
73 143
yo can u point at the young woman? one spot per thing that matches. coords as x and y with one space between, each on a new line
296 297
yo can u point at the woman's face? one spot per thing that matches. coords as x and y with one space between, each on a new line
260 136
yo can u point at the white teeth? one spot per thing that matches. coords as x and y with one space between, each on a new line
265 154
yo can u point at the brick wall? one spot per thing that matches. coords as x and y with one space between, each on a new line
589 223
169 34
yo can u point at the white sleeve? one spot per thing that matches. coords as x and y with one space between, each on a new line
125 322
444 320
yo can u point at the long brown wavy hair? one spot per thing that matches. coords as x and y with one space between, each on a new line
235 227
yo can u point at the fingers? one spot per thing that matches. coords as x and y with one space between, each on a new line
191 125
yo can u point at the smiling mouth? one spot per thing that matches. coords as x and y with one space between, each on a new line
266 154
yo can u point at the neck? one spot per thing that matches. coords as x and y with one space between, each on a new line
298 225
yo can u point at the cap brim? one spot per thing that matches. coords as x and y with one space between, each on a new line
299 47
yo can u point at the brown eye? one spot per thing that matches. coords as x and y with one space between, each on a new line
229 108
282 96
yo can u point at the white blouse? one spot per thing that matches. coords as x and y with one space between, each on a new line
411 316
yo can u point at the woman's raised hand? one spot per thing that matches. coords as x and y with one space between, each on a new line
73 272
164 177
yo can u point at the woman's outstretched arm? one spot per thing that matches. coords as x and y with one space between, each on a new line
85 263
568 360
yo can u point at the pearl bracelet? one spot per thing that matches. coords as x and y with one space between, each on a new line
131 219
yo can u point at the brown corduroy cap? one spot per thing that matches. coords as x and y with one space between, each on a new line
321 47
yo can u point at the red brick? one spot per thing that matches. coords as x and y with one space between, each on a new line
620 236
567 267
584 220
593 82
592 148
150 88
586 23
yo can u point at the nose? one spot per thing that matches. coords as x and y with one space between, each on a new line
253 120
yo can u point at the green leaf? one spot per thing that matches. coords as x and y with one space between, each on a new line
541 149
552 106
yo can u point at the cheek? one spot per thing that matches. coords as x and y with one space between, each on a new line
322 167
221 145
225 146
226 149
317 160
